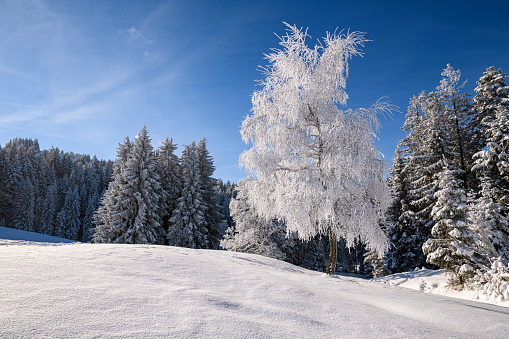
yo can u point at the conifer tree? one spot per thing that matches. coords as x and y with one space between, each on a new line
492 92
187 223
436 132
405 235
208 186
145 205
108 215
132 206
169 173
492 168
68 219
453 244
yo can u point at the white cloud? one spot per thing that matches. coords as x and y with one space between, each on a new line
135 34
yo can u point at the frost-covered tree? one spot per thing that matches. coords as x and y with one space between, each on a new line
435 131
315 165
134 204
405 237
110 212
453 244
188 226
492 168
169 172
251 233
208 186
491 92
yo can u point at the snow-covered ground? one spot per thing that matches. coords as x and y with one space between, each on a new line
434 282
140 291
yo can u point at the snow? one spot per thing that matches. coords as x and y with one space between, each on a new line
434 282
147 291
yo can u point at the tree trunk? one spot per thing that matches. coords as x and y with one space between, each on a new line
333 254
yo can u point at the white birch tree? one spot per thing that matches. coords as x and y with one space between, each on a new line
314 164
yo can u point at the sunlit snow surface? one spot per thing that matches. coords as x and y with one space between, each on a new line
435 282
140 291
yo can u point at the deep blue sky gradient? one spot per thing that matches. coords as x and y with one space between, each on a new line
82 75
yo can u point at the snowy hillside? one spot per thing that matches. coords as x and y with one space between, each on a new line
141 291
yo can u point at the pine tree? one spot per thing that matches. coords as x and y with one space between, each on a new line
208 187
492 169
68 219
489 222
110 212
491 93
131 211
169 173
187 223
436 132
405 237
453 243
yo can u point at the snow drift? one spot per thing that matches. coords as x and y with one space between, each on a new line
141 291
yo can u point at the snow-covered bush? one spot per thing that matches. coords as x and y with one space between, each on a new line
494 283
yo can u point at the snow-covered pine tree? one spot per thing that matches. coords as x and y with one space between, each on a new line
489 222
374 265
68 219
187 223
208 186
91 206
458 107
491 92
24 206
50 209
110 214
146 201
405 250
315 165
169 173
435 126
133 206
492 168
453 244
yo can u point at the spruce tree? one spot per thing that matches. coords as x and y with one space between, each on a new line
453 243
492 168
109 214
168 167
188 226
406 239
131 209
491 93
208 186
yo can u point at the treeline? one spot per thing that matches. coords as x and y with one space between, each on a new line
50 191
155 197
135 199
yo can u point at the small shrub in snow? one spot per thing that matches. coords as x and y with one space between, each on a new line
494 283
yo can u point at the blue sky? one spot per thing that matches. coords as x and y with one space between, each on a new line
82 75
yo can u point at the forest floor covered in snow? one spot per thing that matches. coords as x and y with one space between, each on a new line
54 289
